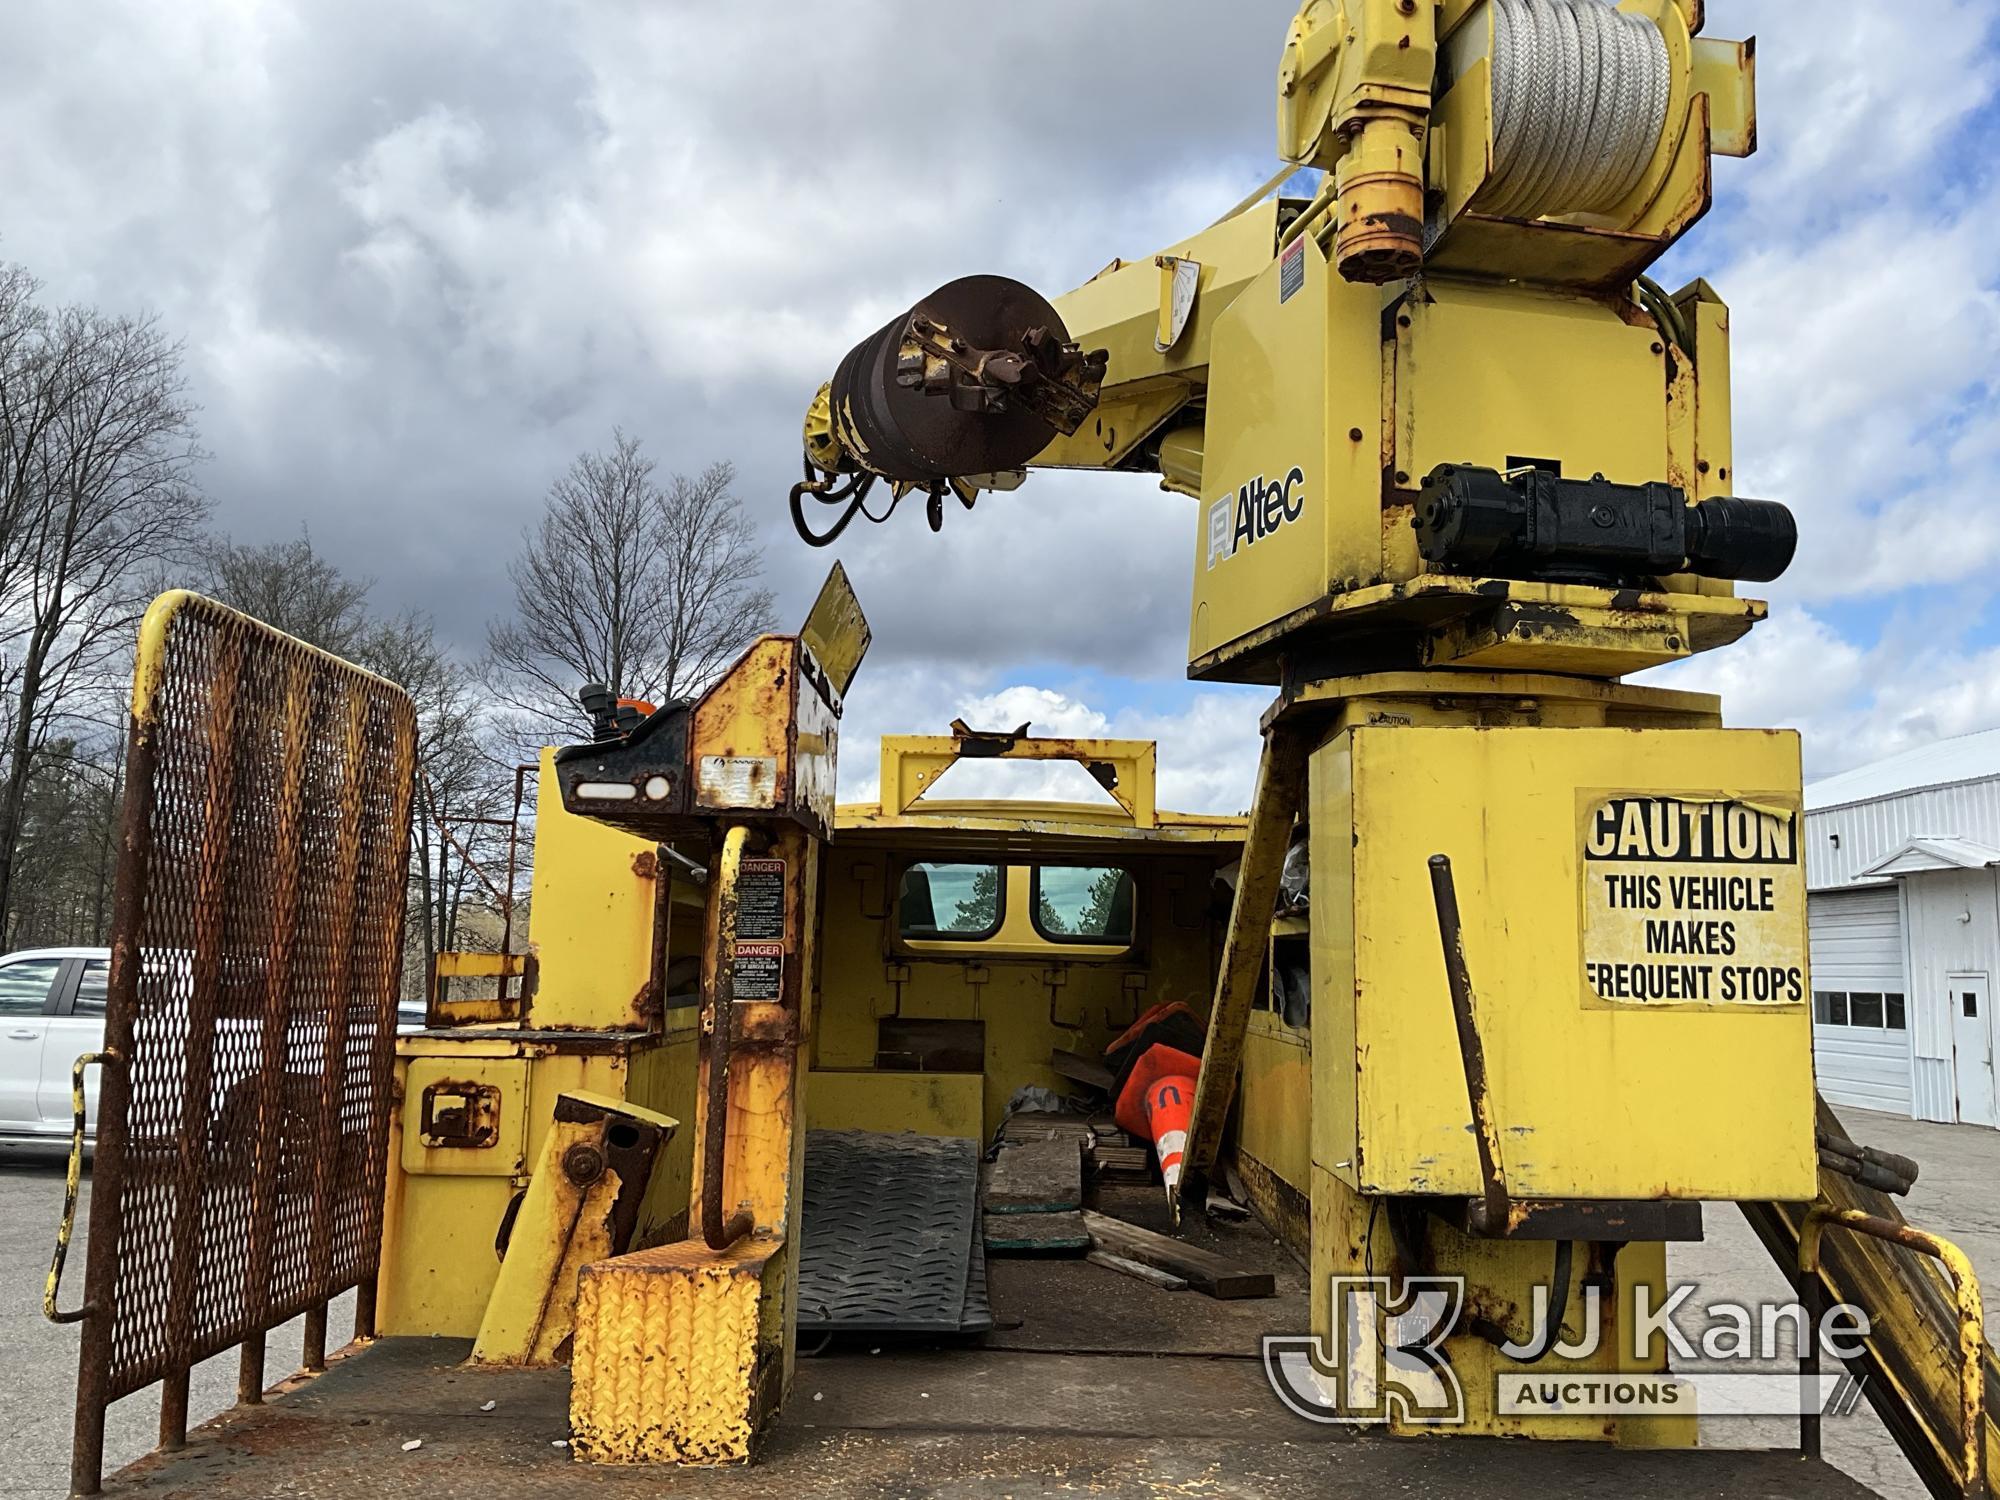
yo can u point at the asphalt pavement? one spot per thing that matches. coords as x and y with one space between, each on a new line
1957 1196
38 1358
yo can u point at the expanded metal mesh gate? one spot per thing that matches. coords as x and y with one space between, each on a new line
257 945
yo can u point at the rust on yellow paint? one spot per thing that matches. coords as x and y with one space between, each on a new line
593 897
443 1205
446 1009
566 1221
1351 1236
1126 769
1973 1435
1280 790
763 1151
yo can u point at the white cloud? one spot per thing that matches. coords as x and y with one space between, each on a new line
422 255
1862 398
1855 252
1853 704
1853 105
1207 758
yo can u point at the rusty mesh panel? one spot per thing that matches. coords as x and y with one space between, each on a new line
254 978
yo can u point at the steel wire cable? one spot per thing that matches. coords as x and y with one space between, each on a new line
1580 94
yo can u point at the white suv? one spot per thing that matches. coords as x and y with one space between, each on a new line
51 1012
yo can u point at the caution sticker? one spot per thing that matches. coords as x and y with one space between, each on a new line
1692 901
760 971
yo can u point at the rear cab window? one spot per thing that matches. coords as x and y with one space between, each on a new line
1083 904
93 987
959 903
965 910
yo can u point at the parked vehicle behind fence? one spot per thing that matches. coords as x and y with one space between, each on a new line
51 1012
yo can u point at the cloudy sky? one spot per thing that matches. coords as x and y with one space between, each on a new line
421 255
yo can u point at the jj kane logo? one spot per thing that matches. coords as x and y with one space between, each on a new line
1254 512
1384 1359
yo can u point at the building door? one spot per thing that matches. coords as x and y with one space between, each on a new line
1861 1037
1972 1049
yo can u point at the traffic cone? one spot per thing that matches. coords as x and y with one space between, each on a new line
1156 1104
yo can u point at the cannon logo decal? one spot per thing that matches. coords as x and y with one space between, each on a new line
1253 513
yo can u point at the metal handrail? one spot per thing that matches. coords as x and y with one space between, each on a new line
72 1188
719 1234
1971 1327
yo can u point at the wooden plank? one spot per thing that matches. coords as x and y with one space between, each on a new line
1036 1234
1203 1270
1080 1069
1036 1177
1138 1158
1166 1281
1033 1125
1125 1163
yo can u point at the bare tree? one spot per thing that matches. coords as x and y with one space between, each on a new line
648 590
97 455
714 608
458 850
65 855
291 587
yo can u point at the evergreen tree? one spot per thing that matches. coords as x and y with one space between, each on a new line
978 910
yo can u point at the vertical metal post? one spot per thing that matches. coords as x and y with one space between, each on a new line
507 903
344 884
364 1304
1813 1296
204 983
268 1160
382 1076
1491 1211
313 1355
114 1106
1280 779
721 1234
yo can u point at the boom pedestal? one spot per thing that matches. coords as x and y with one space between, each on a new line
1630 940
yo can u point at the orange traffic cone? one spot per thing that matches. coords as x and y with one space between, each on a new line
1156 1104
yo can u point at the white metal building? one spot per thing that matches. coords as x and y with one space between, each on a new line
1903 872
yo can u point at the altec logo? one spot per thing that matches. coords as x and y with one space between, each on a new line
1254 512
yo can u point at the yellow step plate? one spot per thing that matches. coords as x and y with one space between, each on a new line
679 1354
